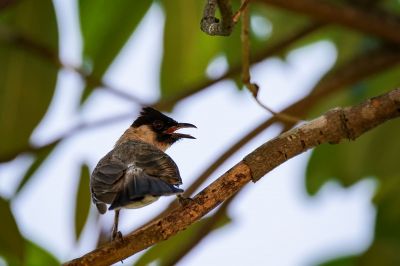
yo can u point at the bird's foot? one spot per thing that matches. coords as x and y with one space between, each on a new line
117 235
184 201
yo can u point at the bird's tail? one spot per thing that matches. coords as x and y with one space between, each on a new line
141 186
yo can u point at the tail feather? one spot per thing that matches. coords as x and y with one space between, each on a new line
140 186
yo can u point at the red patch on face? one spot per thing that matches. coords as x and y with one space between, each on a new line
171 130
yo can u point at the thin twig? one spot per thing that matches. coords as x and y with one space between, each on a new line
386 26
7 3
23 42
238 13
246 78
68 133
332 127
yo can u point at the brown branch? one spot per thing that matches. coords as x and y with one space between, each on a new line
385 26
332 127
355 70
238 13
7 3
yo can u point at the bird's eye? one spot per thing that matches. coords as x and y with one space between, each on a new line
158 124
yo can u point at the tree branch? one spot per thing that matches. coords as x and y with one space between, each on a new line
351 72
385 26
7 3
333 126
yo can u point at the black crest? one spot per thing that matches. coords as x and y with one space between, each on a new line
157 120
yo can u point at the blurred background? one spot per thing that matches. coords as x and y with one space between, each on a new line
75 74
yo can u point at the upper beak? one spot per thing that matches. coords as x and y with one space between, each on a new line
172 130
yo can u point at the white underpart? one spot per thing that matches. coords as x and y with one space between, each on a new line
132 172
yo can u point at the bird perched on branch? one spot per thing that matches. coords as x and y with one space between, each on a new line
138 171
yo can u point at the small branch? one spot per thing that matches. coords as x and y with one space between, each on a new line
212 25
74 130
238 13
7 3
246 78
333 126
385 26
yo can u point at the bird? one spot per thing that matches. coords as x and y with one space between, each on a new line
137 171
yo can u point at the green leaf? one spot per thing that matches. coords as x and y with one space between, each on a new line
391 6
11 240
106 26
187 50
27 76
163 251
82 205
343 261
37 256
40 157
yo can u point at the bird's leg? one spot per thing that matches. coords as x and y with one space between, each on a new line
115 233
184 200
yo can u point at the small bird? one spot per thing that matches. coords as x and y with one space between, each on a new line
138 171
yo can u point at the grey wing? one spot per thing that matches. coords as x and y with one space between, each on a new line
151 160
150 172
105 182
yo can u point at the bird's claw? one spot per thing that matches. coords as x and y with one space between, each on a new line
117 235
184 201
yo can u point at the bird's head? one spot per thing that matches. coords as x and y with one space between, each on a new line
163 126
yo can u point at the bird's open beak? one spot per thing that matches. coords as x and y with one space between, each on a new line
172 130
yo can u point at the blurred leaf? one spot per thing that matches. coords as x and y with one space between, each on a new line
187 50
392 6
40 158
162 251
27 78
106 26
37 256
344 261
379 83
82 206
11 240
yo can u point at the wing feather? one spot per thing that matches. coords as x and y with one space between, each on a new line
132 171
